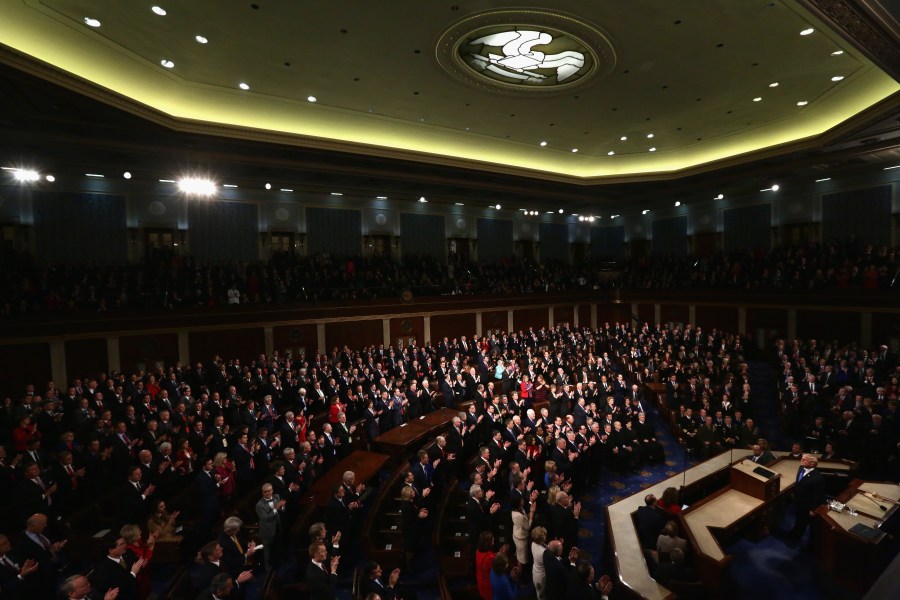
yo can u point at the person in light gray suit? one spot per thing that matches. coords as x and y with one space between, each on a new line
270 510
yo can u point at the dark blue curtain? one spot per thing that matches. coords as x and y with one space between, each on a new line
865 214
495 239
554 241
748 227
336 231
670 236
80 228
422 235
223 231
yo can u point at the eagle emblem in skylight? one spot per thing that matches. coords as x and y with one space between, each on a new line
526 57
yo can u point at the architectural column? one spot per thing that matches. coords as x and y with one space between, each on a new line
113 360
320 338
386 332
792 324
692 314
426 328
742 319
477 325
269 341
865 329
657 314
58 363
575 316
509 321
594 316
550 320
634 314
184 348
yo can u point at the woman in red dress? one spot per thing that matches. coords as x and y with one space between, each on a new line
140 549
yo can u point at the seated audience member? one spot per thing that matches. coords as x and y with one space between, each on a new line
670 501
649 520
373 582
674 569
761 454
668 540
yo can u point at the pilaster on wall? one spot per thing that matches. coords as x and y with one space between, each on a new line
269 340
386 332
113 360
593 316
509 321
426 328
184 348
634 312
792 323
692 314
865 329
58 361
550 319
478 325
320 337
657 313
742 319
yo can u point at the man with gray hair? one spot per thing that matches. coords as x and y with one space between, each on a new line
809 494
237 553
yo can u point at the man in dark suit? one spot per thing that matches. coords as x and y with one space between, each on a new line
373 582
237 553
321 577
14 571
113 572
809 494
649 521
564 519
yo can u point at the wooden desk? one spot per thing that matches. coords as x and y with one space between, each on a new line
400 439
855 561
364 464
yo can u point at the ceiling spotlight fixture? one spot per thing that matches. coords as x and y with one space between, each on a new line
580 218
776 187
649 136
311 99
497 206
758 99
459 204
286 190
677 203
719 197
549 212
560 211
653 149
591 219
837 52
26 175
894 167
803 103
773 84
574 149
381 197
823 179
610 153
159 10
576 214
201 40
95 175
837 77
336 194
268 186
50 178
127 174
645 211
613 216
623 138
229 185
196 186
807 31
167 63
91 22
244 86
167 181
543 144
422 199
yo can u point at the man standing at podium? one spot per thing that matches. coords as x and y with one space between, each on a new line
809 494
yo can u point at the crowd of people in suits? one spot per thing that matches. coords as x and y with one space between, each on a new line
548 412
167 280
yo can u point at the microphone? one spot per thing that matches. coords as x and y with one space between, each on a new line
874 501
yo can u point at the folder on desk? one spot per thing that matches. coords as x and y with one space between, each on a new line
764 472
864 531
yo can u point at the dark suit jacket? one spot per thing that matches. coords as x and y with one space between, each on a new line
109 575
649 522
370 586
557 573
809 492
321 584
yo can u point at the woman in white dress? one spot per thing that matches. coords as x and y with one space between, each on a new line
521 526
538 574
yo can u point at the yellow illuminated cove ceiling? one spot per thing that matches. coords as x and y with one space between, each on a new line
694 79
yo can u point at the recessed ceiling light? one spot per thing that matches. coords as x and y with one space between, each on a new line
837 52
50 178
97 175
613 216
497 206
645 211
422 199
649 136
196 186
894 167
336 194
653 149
127 174
580 218
26 175
719 197
803 103
576 214
773 84
677 203
543 144
268 186
167 181
286 190
610 153
91 22
574 149
837 77
623 138
758 99
807 31
201 40
459 203
776 187
560 211
167 63
381 197
229 185
311 98
159 10
591 219
244 86
823 179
